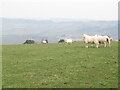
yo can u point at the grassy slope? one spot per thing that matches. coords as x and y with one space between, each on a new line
59 66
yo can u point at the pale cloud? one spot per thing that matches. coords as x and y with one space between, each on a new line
75 9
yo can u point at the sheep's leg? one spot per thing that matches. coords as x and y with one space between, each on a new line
97 46
104 44
97 43
68 43
86 45
109 43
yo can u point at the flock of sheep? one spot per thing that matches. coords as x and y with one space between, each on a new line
96 39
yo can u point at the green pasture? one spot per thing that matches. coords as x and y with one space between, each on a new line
59 66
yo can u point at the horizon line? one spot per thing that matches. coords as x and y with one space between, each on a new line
37 19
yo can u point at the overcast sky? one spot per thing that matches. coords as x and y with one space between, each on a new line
49 9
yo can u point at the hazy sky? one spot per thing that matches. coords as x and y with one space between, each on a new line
47 9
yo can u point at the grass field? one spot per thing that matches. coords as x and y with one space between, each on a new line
60 66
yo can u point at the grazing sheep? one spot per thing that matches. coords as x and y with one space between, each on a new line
68 41
104 39
97 39
44 41
90 40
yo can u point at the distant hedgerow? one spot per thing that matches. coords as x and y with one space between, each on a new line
29 42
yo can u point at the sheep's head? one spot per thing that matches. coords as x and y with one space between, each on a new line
84 35
111 39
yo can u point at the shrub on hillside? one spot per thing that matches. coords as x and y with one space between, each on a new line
29 42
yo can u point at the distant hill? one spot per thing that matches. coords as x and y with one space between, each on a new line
16 31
